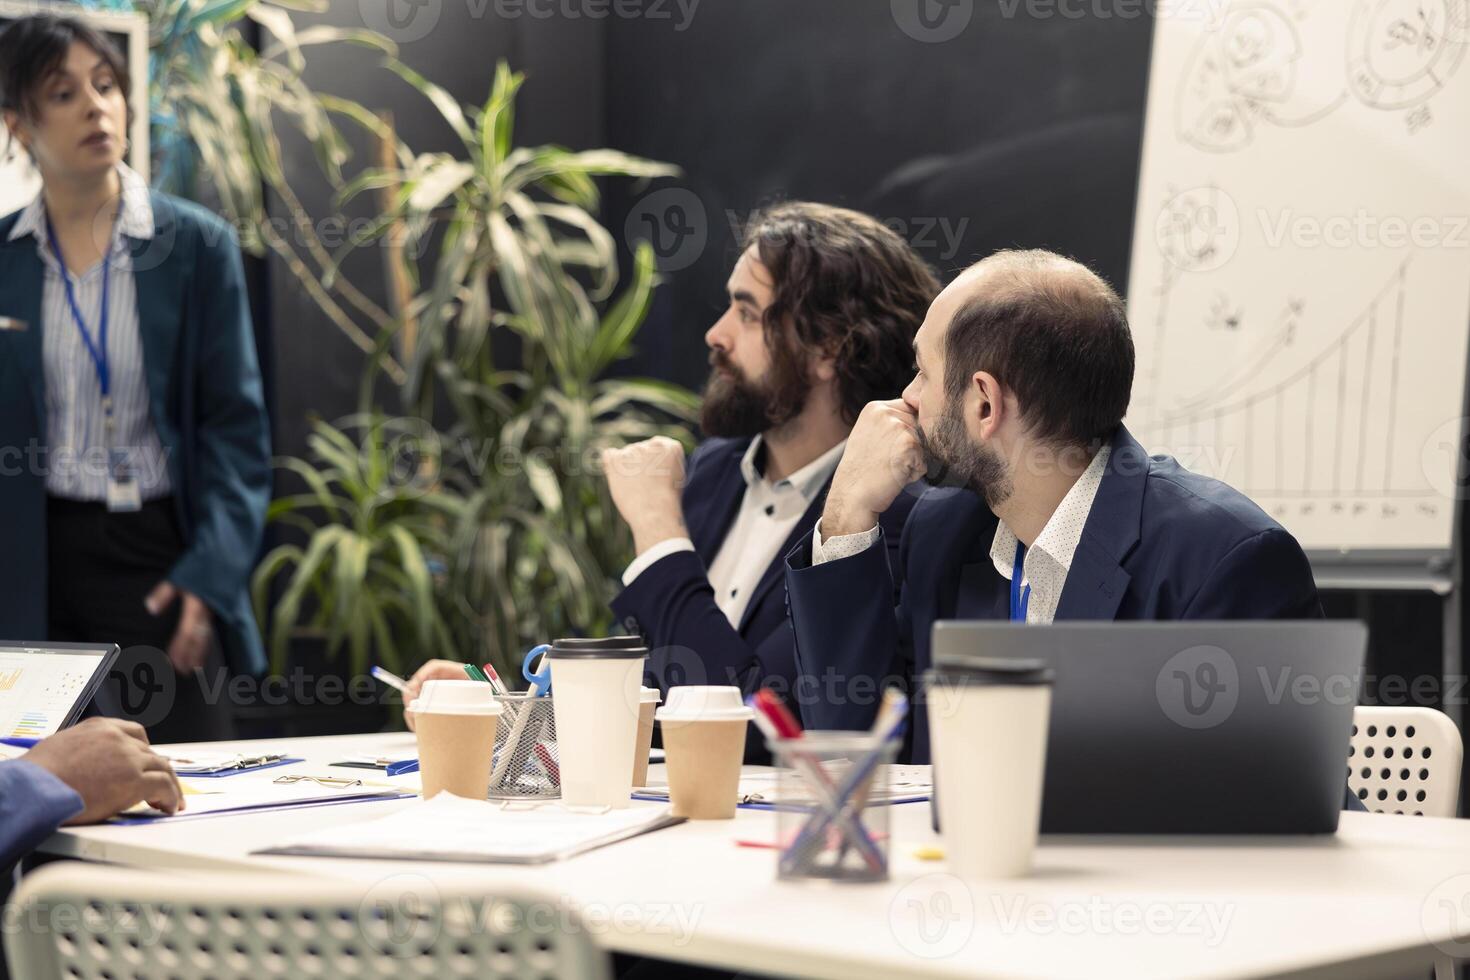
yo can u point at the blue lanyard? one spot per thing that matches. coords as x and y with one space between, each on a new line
1020 598
98 351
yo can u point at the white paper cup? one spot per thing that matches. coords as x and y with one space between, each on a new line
595 690
987 730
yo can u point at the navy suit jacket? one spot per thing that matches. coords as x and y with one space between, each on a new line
205 401
1160 543
673 605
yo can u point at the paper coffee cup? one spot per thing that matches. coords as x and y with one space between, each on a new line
455 725
648 700
987 729
595 692
704 744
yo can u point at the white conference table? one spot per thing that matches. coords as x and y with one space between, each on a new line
1382 899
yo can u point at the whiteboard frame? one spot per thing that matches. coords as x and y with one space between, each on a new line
132 25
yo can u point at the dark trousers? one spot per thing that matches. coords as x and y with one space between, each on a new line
101 566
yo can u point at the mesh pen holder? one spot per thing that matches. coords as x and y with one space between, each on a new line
525 766
828 824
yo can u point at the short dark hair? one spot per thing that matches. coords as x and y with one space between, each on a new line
33 48
1055 333
851 289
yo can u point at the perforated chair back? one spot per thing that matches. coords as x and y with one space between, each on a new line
1405 761
92 922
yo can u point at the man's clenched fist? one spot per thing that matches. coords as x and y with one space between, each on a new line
883 456
646 480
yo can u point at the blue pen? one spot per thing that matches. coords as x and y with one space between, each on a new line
389 678
20 743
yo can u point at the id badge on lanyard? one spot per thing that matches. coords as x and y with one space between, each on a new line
123 492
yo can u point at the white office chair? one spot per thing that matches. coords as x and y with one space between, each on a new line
77 921
1406 761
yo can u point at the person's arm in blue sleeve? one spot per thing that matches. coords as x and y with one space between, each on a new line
1266 576
233 467
33 803
848 639
674 603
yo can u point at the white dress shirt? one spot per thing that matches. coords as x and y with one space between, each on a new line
1047 562
76 461
769 512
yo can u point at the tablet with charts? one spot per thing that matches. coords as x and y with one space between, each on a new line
44 687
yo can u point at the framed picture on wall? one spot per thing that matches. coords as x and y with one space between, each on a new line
19 182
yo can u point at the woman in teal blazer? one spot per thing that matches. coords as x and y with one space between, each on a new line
134 445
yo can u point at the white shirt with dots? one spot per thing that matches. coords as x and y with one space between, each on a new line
1048 560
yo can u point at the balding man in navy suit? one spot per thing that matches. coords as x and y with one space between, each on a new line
1049 509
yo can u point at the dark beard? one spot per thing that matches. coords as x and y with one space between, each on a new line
951 459
735 408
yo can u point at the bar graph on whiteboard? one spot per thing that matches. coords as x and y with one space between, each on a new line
1290 422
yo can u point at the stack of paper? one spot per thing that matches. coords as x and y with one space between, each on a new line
450 828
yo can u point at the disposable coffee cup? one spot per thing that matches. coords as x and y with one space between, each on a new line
987 730
595 688
704 744
455 722
648 699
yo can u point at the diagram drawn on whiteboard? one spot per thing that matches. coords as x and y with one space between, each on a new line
1299 287
1311 426
1247 72
1401 52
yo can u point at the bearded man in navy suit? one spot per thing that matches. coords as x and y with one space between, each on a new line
823 307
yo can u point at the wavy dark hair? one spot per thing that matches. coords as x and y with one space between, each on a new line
846 287
33 48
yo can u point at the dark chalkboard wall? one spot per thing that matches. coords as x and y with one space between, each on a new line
1021 130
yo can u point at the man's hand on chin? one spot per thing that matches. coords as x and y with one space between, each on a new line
883 456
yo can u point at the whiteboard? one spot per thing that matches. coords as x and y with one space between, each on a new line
1300 274
19 181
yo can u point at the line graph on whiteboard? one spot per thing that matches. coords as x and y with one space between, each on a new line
1300 425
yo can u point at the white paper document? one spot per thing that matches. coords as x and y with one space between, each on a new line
449 828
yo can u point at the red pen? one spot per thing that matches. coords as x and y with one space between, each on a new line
547 763
770 705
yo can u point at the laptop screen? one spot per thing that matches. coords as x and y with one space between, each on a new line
43 689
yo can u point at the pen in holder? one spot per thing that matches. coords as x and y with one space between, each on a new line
826 824
525 765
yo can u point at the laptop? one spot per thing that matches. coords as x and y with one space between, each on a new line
1187 727
44 687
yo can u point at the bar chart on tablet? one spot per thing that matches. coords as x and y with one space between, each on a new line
37 691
